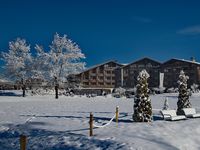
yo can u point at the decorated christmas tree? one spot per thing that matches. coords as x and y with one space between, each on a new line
183 98
142 102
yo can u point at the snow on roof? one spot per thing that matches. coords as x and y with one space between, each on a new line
100 65
189 61
141 60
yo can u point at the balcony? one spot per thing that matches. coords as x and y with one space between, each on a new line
93 74
93 80
100 74
85 80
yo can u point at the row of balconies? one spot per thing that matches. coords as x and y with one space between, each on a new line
99 77
99 80
99 83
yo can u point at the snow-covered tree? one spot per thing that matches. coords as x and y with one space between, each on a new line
64 57
166 104
72 82
18 61
142 102
183 98
40 67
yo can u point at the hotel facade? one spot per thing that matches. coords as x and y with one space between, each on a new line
112 74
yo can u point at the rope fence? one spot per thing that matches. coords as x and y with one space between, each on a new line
23 138
92 124
97 126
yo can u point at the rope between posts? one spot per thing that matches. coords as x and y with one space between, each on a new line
97 126
29 119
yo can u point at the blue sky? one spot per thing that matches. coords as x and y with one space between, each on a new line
123 30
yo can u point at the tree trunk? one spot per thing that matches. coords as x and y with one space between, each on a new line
56 90
24 90
23 87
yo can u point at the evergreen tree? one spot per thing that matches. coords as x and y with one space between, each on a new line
142 102
183 98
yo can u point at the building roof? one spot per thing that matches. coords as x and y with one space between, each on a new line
95 66
147 58
182 60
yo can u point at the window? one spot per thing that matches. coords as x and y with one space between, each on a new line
141 66
86 83
133 66
101 70
108 72
149 65
165 70
93 78
101 78
126 71
108 78
106 65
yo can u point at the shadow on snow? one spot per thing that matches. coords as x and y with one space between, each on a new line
52 140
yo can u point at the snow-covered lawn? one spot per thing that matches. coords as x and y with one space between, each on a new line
62 123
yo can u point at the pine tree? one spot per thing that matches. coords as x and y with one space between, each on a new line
142 102
183 98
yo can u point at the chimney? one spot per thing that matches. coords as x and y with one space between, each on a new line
192 59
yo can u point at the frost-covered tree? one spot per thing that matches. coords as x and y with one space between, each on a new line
40 67
64 58
142 102
166 104
72 82
183 97
18 61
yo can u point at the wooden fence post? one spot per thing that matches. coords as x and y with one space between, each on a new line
23 142
117 114
91 124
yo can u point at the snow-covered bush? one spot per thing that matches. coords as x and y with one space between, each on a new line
172 90
119 92
142 102
158 90
183 98
129 93
195 88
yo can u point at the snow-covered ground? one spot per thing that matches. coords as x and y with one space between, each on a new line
62 123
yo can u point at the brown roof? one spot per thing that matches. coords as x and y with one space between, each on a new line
182 60
145 58
95 66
